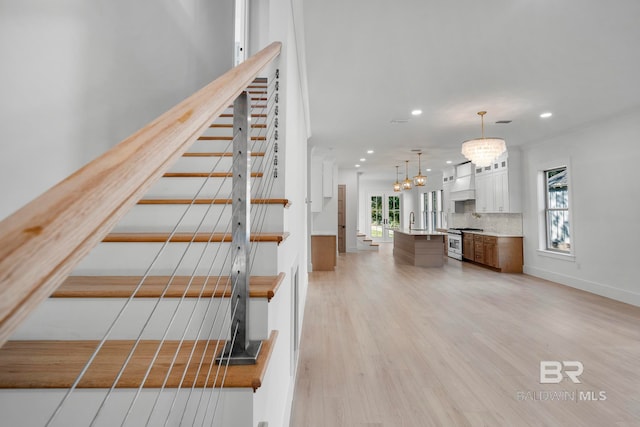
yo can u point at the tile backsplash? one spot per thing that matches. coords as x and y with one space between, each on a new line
503 223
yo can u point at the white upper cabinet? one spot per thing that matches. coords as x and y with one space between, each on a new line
498 185
316 184
501 190
484 192
322 171
327 178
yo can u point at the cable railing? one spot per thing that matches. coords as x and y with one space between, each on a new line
41 243
213 340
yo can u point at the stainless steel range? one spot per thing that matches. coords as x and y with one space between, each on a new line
454 237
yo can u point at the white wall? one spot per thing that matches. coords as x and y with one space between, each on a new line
78 76
283 24
604 202
349 177
316 158
258 26
410 203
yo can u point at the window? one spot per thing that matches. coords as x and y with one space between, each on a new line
433 210
558 229
376 216
393 212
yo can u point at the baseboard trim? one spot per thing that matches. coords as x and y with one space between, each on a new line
607 291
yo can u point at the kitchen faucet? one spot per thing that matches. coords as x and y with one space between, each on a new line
412 219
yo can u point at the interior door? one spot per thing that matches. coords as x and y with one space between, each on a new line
342 225
384 216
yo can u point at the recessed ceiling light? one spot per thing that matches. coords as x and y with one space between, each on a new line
449 162
428 170
357 166
416 112
369 151
546 115
363 160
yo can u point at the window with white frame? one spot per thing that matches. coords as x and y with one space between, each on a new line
433 209
558 230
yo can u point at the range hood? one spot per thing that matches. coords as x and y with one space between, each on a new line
464 186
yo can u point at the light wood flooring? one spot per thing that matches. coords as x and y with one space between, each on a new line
393 345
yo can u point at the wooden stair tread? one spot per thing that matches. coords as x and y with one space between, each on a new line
206 175
56 364
225 154
229 138
283 202
153 286
253 106
361 235
252 115
188 237
229 125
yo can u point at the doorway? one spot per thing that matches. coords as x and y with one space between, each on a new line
384 216
241 15
342 223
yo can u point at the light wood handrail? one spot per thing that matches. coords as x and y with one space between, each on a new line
42 242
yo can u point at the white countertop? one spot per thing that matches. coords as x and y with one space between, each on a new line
490 233
419 232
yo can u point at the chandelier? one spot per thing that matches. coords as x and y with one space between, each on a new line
406 184
396 185
419 180
482 151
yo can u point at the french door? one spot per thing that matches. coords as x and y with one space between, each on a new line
384 216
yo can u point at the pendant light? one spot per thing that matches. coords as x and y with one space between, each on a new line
396 185
406 184
419 180
483 151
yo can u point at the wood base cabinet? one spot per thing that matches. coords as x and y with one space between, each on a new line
478 249
323 252
419 249
468 250
501 253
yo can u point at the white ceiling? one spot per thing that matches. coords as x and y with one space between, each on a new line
370 62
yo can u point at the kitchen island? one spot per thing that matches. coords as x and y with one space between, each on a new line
421 248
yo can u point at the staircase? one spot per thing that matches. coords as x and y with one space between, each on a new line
365 243
173 317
